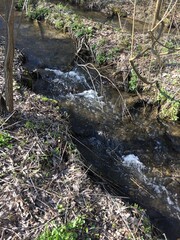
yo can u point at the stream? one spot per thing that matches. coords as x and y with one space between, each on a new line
118 137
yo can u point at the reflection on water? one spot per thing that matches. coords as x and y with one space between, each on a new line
37 42
40 42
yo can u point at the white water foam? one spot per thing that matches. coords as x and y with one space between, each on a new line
89 97
132 161
89 94
57 72
161 190
73 75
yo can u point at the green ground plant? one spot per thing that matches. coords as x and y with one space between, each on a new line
5 139
29 125
101 58
65 20
102 42
114 52
147 228
169 108
168 47
80 29
38 13
133 82
46 99
67 231
19 5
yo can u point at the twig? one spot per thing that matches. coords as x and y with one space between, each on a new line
91 66
133 237
25 157
165 15
139 186
7 119
133 28
10 230
11 125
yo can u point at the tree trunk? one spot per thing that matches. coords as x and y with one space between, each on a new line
8 65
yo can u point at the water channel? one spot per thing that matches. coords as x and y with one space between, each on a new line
118 137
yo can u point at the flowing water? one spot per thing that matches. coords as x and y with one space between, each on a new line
117 136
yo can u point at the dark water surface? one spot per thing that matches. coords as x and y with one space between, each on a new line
37 42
